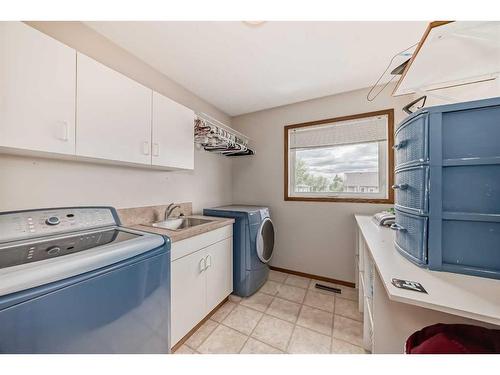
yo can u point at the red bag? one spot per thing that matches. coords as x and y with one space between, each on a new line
454 339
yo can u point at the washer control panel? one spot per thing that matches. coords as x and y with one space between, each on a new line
28 224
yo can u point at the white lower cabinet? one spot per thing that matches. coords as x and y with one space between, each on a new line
189 289
201 277
220 272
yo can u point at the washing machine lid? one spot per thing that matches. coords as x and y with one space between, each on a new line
20 276
265 240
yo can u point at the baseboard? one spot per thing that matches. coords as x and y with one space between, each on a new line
195 328
311 276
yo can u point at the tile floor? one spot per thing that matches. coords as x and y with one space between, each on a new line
287 315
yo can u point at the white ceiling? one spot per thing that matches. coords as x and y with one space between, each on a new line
241 68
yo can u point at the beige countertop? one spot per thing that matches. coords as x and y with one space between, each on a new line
179 235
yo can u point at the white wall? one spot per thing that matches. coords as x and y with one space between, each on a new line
27 182
30 182
312 237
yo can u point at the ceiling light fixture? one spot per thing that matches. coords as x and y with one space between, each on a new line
254 23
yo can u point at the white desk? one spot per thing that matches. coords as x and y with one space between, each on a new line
392 314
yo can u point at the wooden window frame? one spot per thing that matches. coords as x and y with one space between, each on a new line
390 159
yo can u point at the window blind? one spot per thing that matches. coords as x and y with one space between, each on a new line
371 129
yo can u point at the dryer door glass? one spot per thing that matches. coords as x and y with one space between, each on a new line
265 240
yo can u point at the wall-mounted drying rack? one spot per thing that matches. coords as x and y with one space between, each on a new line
453 54
213 136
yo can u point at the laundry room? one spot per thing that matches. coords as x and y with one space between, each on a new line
204 187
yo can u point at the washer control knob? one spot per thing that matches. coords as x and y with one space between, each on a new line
54 250
53 220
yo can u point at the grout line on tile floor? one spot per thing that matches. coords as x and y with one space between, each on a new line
318 308
333 320
272 316
294 328
250 334
347 342
333 324
205 339
300 312
290 340
265 343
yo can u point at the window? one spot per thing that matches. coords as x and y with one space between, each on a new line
346 159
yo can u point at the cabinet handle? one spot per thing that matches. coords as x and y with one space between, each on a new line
208 261
399 145
156 149
400 186
63 131
398 227
203 264
145 148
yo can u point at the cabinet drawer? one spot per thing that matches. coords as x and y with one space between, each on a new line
411 189
411 142
192 244
411 236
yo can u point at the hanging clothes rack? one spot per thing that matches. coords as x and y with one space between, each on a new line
213 136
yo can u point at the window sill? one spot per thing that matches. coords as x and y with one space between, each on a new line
389 200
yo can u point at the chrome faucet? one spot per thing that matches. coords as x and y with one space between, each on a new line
171 207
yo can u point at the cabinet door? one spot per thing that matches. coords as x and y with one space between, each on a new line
37 90
219 272
113 114
188 293
173 134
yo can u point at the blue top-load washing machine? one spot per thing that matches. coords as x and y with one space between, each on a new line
253 244
72 280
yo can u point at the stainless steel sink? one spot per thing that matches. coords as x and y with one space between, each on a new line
180 223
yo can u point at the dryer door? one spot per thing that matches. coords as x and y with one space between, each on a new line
265 240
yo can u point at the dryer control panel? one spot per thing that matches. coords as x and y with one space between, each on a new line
23 225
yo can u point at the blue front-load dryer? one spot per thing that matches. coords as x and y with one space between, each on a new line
253 244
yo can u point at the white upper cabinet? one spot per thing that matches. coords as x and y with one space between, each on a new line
37 91
113 114
58 101
173 134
